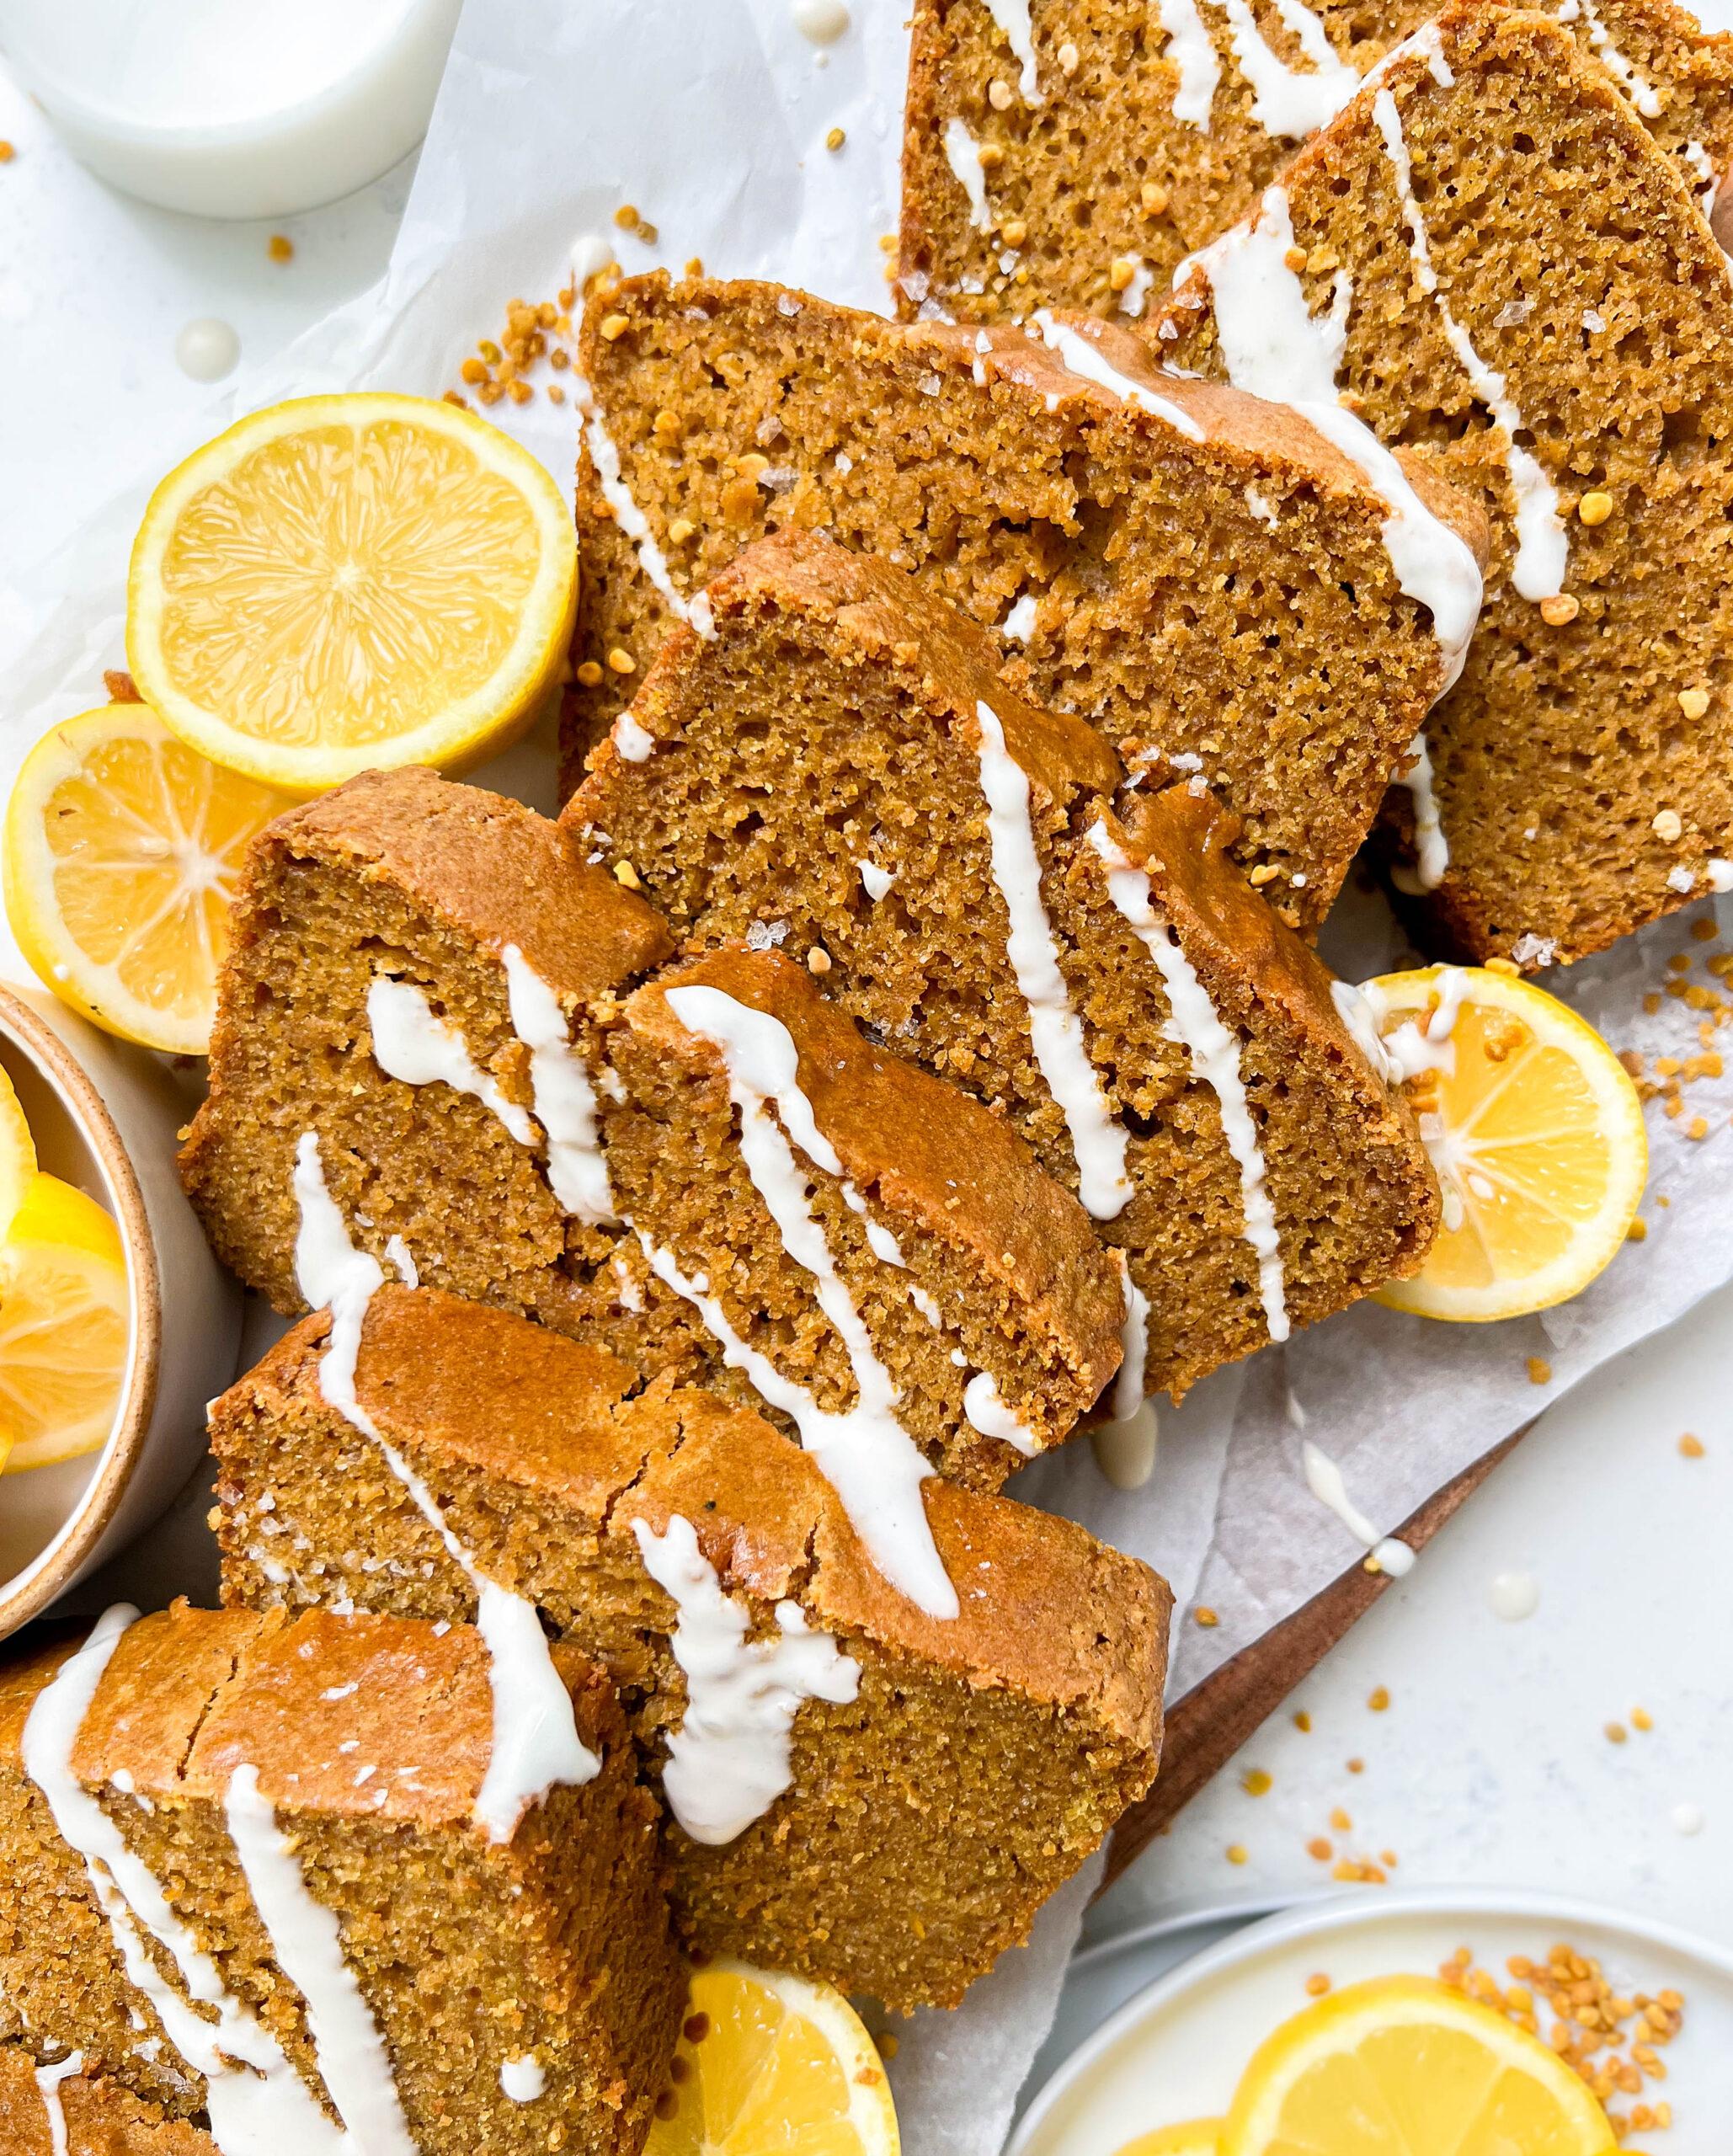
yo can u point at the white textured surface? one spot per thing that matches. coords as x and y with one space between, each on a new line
1491 1762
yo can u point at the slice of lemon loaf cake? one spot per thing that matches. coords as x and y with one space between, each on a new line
1201 575
741 1187
840 765
310 1882
1487 255
1069 153
860 1790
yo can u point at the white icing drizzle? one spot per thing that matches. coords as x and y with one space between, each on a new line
522 2080
412 1044
1012 19
1125 1448
1641 93
307 1943
1134 298
1019 623
535 1741
730 1758
1195 1024
1192 49
964 155
1323 1479
1134 1346
397 1251
1708 181
1125 1452
48 2081
1261 508
1098 1139
869 1458
1413 1048
989 1412
1288 101
1081 356
1431 849
1543 549
630 741
874 880
560 1088
256 2103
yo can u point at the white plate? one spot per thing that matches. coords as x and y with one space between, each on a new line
1175 2050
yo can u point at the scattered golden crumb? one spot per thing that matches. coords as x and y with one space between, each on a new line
1693 702
1352 1872
1704 931
695 268
1357 1766
1317 1985
8 152
1238 1853
1692 1446
1616 1732
1697 1127
280 248
1595 508
1340 1820
887 243
1068 57
818 960
1540 1371
1637 1232
613 326
1000 94
835 139
1303 1722
624 873
1206 1617
1266 872
1508 967
1379 1699
1557 613
1155 199
1257 1781
590 674
1320 1848
1667 825
1123 270
625 216
1014 230
1642 1718
887 2045
120 686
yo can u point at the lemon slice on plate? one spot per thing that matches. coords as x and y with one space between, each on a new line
122 849
18 1153
345 581
1194 2137
770 2061
1535 1132
1402 2065
64 1325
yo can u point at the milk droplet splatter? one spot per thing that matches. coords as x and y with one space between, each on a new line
206 348
1514 1596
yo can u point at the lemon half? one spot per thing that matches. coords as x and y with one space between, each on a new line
341 582
65 1324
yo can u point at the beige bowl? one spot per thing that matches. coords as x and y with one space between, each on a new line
104 1117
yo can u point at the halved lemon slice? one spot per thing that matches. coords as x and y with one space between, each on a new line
123 848
1194 2137
64 1325
18 1153
342 582
1402 2066
1535 1132
770 2062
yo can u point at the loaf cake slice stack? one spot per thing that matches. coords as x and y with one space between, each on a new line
1199 574
245 1888
1074 166
894 1823
840 765
771 1203
1501 269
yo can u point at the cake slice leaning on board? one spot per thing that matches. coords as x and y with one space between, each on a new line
841 767
1168 123
859 1791
443 1052
239 1845
1497 266
1197 573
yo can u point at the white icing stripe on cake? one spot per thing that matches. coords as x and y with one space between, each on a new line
1134 298
1323 1479
1125 1448
1133 1345
256 2103
879 1465
1641 93
1273 346
1431 849
1708 181
306 1942
522 2080
874 880
536 1742
1012 19
1081 356
1098 1140
730 1758
1543 549
963 156
1195 1024
414 1045
48 2081
986 1409
1192 49
630 739
1411 1049
1287 101
871 1461
560 1088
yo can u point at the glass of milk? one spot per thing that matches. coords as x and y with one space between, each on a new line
233 108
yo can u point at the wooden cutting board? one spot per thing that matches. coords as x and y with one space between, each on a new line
1207 1727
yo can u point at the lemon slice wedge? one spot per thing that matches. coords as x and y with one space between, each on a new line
65 1322
18 1153
768 2062
122 849
341 582
1192 2138
1402 2066
1535 1132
